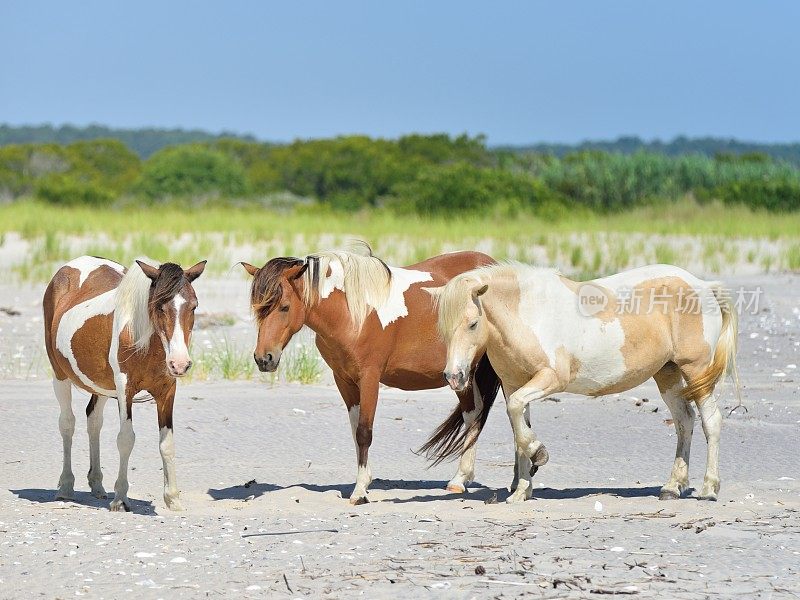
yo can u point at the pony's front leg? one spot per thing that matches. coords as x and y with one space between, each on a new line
125 440
525 465
66 425
166 445
530 451
362 417
94 423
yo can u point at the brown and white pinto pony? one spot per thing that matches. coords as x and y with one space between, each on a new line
547 334
373 325
113 333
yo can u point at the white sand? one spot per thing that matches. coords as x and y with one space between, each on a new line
291 534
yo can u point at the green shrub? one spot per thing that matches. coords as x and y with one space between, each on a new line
780 195
191 170
462 187
612 182
109 162
72 191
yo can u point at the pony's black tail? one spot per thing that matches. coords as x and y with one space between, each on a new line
449 438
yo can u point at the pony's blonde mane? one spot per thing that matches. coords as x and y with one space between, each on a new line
366 279
451 301
131 305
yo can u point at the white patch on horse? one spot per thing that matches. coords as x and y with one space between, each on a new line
596 344
334 281
395 305
177 349
354 413
166 446
72 321
363 479
87 264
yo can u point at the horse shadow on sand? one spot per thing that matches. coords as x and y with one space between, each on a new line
44 496
476 491
255 489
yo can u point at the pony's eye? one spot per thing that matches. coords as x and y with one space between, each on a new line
473 325
285 308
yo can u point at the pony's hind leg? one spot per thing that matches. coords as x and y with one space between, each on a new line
471 407
670 384
94 423
66 424
711 418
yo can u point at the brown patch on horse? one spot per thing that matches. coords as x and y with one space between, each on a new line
650 325
96 331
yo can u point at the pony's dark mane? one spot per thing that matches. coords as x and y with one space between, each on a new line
266 289
168 284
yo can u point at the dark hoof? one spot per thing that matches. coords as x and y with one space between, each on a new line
534 468
540 457
668 495
359 501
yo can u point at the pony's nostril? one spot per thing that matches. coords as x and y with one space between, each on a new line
188 365
269 357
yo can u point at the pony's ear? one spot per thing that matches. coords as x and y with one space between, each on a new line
436 292
295 272
249 268
194 272
479 290
149 270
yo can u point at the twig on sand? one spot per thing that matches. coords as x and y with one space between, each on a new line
737 407
500 582
267 533
659 514
626 591
286 581
784 590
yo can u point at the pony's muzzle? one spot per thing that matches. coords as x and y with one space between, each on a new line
267 363
457 379
179 368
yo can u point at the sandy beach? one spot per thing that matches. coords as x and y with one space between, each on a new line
265 470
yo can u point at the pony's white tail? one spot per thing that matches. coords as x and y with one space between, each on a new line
724 360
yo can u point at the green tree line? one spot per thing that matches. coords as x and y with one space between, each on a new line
422 174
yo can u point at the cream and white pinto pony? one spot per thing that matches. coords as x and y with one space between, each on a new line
545 334
114 333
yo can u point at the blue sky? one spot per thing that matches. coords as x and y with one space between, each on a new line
518 72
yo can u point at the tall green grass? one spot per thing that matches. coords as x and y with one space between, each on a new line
34 219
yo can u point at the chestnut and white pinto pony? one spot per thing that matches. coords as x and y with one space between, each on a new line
545 334
113 333
374 325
